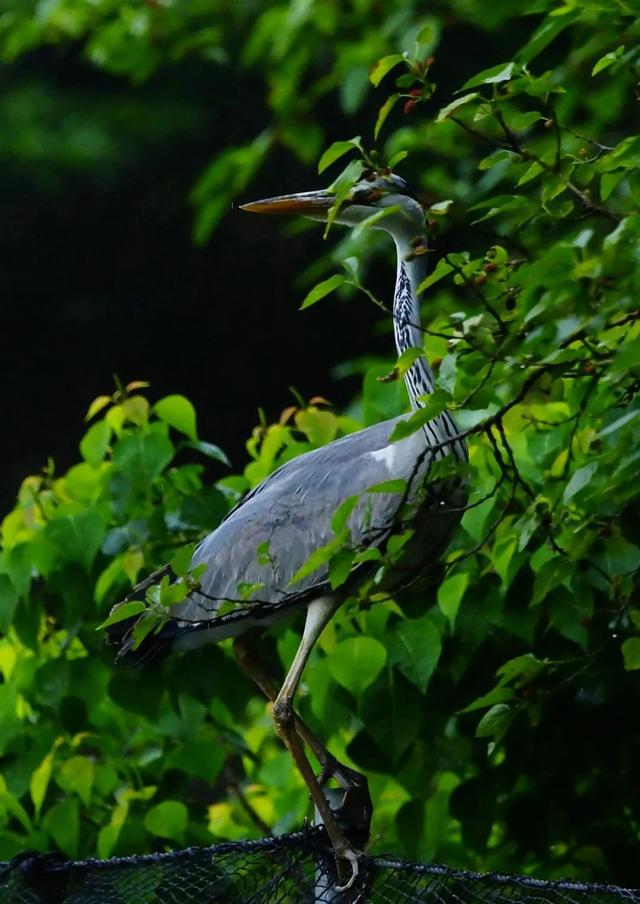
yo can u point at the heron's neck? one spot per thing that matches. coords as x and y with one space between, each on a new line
406 319
406 324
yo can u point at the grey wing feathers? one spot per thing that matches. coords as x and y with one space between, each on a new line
291 512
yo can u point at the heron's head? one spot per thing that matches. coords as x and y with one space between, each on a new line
375 191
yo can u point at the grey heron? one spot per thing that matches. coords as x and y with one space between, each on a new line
290 513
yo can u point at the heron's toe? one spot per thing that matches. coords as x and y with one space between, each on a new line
351 856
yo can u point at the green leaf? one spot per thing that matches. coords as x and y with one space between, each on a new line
383 113
619 422
495 722
440 208
627 356
77 537
142 456
496 157
109 834
608 182
122 611
552 574
493 76
340 567
497 695
178 412
14 807
530 173
631 653
384 66
144 626
112 575
323 289
97 405
374 218
246 589
521 670
167 820
40 782
401 155
210 450
426 35
343 513
626 154
445 112
414 647
320 426
518 122
619 556
201 755
337 150
436 403
450 593
8 602
62 821
317 559
341 188
552 187
579 480
407 359
392 710
547 31
608 60
397 485
356 662
442 269
95 443
76 775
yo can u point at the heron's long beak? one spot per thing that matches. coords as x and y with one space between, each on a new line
306 203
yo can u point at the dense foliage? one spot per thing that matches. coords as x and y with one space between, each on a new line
497 715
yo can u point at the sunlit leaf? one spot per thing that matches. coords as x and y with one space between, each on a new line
179 413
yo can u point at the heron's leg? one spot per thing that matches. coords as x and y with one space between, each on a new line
249 660
318 614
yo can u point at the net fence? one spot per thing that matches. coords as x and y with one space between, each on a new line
292 869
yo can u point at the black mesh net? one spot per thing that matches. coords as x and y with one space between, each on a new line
292 869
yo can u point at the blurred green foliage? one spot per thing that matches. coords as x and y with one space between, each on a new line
497 715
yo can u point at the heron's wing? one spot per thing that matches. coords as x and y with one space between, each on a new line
253 554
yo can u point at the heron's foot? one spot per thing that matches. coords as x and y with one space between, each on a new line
347 856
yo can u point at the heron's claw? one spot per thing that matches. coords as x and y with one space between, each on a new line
351 856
